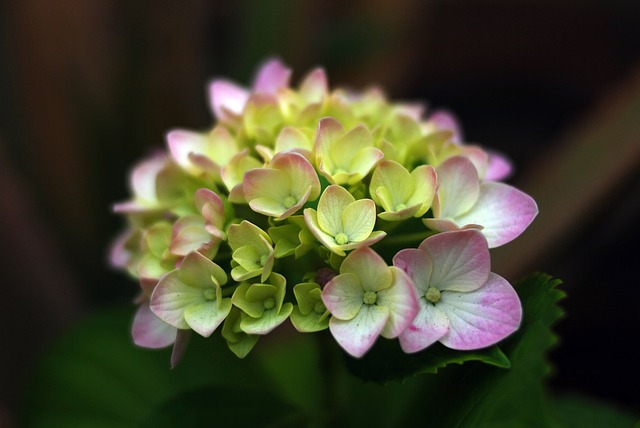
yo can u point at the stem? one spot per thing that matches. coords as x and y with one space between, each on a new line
335 389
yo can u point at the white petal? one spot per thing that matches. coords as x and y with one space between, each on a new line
427 328
358 335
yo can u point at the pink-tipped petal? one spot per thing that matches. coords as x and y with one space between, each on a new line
503 211
369 267
315 86
272 76
184 143
226 96
402 302
417 265
500 167
444 119
458 187
482 317
343 296
149 331
358 335
427 328
461 260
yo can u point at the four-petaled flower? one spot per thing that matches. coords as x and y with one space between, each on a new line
344 157
191 296
366 300
343 223
462 304
283 188
400 193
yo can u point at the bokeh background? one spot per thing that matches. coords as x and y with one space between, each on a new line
87 88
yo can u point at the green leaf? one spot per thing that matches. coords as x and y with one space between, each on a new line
574 411
387 362
224 406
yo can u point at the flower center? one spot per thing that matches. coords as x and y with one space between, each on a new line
319 307
210 294
432 295
263 259
342 238
370 298
289 201
269 303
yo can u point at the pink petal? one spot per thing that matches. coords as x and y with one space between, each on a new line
427 328
499 167
358 335
461 260
444 119
503 211
183 143
482 317
401 301
225 97
417 265
119 255
149 331
272 76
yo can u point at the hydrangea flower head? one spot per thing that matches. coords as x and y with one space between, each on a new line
327 208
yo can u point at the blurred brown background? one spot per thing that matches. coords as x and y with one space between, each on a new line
89 87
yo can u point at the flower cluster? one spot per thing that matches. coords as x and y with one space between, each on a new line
331 209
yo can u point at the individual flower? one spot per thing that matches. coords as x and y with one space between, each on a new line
292 238
366 300
462 201
283 188
253 253
202 153
342 223
344 157
462 304
191 296
262 304
310 314
402 194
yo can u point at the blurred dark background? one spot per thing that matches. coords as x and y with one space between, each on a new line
88 88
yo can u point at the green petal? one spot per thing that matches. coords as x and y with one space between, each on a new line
307 295
396 180
358 219
205 317
239 342
269 320
309 323
330 207
424 185
239 299
369 267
